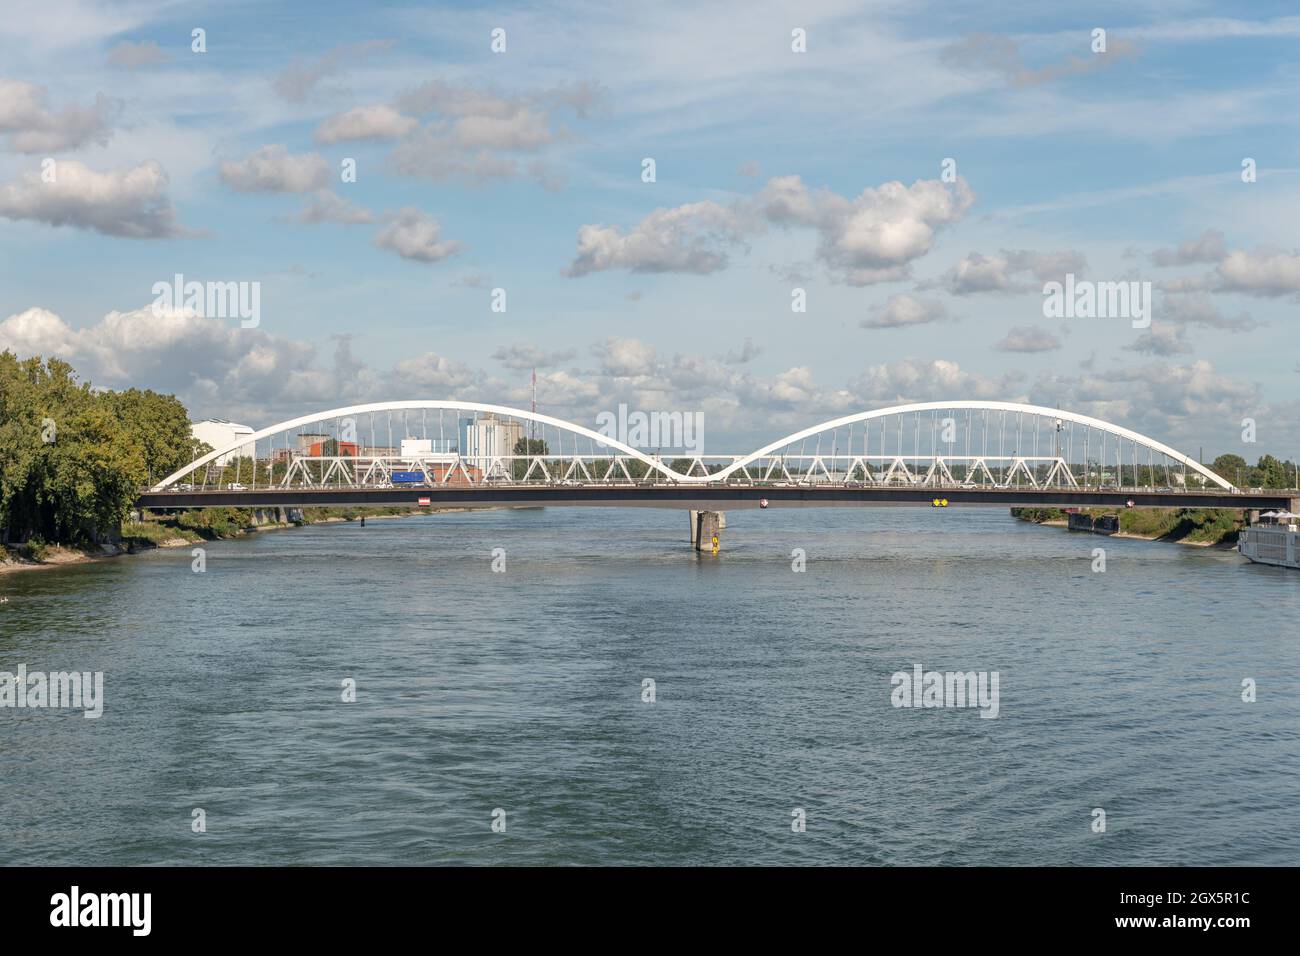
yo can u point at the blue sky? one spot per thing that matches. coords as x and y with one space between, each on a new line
522 170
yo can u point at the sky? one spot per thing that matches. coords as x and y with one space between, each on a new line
913 174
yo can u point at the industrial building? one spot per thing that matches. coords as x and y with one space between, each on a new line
487 437
218 433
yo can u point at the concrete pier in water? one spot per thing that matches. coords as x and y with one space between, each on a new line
706 530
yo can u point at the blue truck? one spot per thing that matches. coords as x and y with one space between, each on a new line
408 477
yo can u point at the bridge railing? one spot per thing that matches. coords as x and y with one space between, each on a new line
782 470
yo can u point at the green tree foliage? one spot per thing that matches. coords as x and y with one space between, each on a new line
1272 473
72 457
162 425
20 434
1230 468
1268 472
527 446
531 446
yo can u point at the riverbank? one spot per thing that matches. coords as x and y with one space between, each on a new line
1197 527
55 556
189 528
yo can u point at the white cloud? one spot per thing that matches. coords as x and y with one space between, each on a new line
170 350
1163 401
37 332
625 358
274 169
479 135
1007 271
414 234
919 380
364 122
217 368
903 310
1024 338
423 153
131 203
876 236
693 238
434 374
1197 308
1162 339
524 357
32 127
1263 272
326 206
872 238
979 273
1207 247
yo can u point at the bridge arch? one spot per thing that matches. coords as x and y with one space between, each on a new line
350 411
725 466
1019 408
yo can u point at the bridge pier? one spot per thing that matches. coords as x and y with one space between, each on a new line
706 530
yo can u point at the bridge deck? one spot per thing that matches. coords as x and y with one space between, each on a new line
708 497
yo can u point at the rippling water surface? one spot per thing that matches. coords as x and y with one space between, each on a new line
522 691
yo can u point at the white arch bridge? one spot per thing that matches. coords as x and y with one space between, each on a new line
440 452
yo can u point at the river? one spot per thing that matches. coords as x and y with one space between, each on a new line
522 690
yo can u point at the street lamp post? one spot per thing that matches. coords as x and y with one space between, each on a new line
1059 425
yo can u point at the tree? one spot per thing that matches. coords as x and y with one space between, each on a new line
90 476
1230 468
529 447
71 457
1271 473
162 425
20 442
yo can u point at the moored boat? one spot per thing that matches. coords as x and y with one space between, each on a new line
1273 540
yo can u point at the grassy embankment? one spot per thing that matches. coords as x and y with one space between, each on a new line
1201 526
172 531
213 523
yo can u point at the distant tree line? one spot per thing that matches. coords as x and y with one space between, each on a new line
72 457
1269 472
